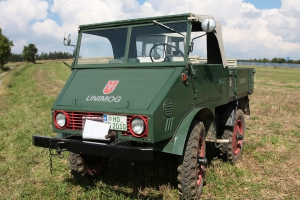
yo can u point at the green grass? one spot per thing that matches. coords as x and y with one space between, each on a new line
268 169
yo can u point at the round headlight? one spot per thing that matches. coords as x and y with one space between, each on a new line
138 126
61 119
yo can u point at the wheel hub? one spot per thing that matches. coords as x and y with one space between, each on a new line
239 137
202 161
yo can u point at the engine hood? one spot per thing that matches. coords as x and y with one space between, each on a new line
114 88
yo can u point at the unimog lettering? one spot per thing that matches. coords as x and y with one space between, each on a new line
162 110
104 98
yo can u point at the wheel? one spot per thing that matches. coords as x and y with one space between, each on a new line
82 165
190 171
168 53
236 136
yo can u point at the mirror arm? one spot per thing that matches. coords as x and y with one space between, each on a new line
198 37
192 43
67 64
68 41
68 44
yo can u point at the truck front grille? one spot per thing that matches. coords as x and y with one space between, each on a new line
76 121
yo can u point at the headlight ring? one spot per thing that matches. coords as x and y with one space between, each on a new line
61 119
138 126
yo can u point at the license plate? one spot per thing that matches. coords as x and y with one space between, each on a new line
116 122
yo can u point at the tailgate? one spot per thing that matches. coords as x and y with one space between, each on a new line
241 82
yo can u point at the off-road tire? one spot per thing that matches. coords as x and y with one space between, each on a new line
233 151
82 165
190 173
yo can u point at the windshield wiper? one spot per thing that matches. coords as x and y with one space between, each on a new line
162 25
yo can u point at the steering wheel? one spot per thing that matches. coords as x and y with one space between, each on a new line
168 56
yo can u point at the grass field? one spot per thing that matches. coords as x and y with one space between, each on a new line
268 169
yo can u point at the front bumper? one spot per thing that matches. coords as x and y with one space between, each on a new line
116 150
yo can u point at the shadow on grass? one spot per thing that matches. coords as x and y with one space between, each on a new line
136 180
212 153
5 69
140 180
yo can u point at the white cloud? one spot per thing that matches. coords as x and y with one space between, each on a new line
15 15
248 32
47 28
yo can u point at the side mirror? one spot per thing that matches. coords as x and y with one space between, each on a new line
67 42
69 39
208 25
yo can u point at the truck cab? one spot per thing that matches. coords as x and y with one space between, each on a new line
133 90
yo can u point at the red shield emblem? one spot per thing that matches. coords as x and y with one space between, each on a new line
110 86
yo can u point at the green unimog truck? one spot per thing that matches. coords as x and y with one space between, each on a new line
134 90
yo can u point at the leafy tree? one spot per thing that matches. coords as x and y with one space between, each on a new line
29 53
5 49
281 60
265 60
274 60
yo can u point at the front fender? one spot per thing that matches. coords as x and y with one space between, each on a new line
176 144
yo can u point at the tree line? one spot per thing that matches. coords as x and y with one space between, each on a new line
273 60
43 56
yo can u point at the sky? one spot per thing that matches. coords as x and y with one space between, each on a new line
251 28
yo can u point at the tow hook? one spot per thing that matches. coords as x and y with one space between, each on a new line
202 161
112 135
60 147
239 137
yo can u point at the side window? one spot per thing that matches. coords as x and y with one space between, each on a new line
177 42
139 48
181 45
147 48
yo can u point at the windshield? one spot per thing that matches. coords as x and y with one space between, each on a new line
158 44
102 46
152 43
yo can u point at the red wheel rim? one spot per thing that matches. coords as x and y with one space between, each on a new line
238 129
201 153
